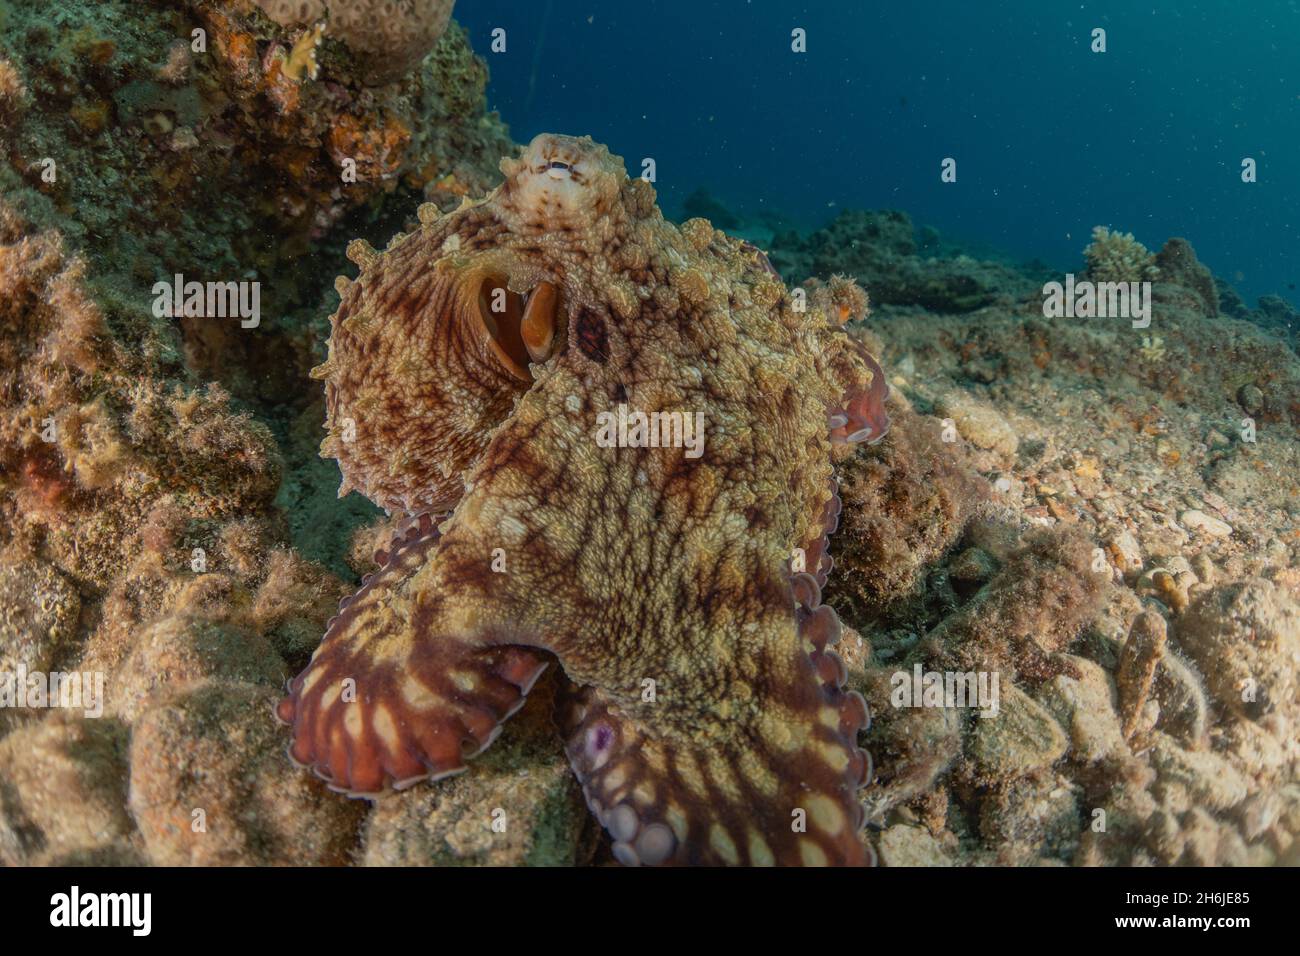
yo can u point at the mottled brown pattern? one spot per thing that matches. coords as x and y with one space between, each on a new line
706 720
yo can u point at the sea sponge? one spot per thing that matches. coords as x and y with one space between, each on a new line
1118 257
389 36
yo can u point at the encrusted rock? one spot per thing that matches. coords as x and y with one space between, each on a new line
518 805
1245 639
1184 709
1022 737
978 423
1086 706
210 786
1209 525
974 565
1138 660
1125 552
906 502
391 36
1209 779
1032 816
178 651
904 845
62 789
38 613
913 746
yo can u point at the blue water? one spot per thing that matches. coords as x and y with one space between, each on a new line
1050 138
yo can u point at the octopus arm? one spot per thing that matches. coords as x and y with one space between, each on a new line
778 787
395 694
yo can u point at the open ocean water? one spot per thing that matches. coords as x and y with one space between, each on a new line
1050 138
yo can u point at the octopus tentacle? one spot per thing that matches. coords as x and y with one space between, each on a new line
862 415
393 695
817 558
779 790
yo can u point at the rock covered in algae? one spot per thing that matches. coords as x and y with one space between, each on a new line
906 502
1176 752
210 786
1245 638
127 126
391 36
181 650
63 790
39 614
519 807
880 249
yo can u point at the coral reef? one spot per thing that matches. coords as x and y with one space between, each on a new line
128 126
391 37
1144 636
880 249
1118 257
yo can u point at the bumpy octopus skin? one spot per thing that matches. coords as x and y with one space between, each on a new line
703 711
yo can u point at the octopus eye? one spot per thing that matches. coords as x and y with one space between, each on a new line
501 312
520 329
558 170
556 164
537 328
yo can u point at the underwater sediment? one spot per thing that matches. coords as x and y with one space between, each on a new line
1105 518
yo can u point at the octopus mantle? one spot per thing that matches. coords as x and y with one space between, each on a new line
469 367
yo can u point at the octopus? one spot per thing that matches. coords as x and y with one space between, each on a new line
470 366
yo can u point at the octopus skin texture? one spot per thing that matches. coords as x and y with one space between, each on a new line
469 362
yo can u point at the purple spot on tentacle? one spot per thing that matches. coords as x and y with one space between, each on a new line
600 738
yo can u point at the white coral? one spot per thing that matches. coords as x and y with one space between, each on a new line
1118 257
